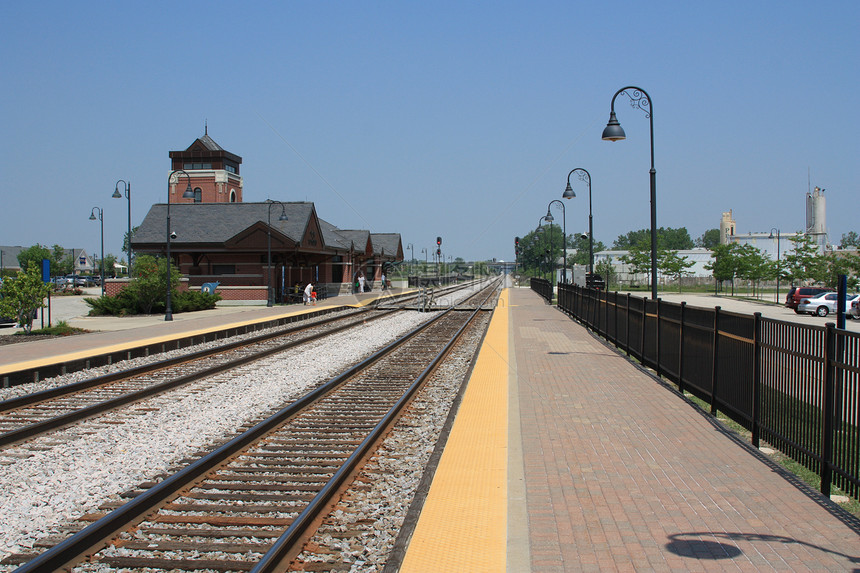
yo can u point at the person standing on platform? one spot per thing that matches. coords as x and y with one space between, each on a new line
384 284
308 292
361 282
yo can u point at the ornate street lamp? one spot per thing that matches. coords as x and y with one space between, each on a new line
569 194
639 98
282 217
118 195
102 224
188 194
778 269
550 218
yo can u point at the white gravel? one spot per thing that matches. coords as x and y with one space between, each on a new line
39 493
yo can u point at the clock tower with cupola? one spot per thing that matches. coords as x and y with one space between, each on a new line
214 173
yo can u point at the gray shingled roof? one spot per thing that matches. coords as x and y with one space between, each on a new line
219 222
388 243
210 143
333 237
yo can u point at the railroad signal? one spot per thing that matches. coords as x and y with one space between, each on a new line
439 241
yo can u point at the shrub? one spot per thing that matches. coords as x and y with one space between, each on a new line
147 293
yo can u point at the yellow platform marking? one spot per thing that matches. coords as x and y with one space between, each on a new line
463 525
109 348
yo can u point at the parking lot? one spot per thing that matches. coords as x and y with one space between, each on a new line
768 309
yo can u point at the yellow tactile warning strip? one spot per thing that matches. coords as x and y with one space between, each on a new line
95 351
463 526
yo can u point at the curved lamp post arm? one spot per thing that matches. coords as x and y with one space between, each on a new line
282 217
584 175
117 195
102 261
639 98
563 235
188 194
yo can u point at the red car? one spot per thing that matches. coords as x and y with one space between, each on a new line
796 294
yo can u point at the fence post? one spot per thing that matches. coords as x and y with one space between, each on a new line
681 349
627 326
716 345
657 363
827 407
644 330
756 397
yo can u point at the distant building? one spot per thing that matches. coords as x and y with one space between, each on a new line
776 242
213 173
221 239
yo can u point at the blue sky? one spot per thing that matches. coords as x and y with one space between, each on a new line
459 119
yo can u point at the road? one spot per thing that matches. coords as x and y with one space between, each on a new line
767 309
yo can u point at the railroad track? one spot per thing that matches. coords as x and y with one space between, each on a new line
27 417
250 503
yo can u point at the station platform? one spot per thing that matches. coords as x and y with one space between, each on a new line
565 456
110 334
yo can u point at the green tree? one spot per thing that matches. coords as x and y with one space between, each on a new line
804 262
725 263
849 239
755 265
32 257
150 283
580 243
673 265
539 249
843 264
638 258
605 269
709 239
22 295
667 239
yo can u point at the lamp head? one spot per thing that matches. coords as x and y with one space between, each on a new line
92 216
568 192
283 216
549 218
116 194
189 192
172 235
613 130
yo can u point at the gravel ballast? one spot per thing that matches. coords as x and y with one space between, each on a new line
41 490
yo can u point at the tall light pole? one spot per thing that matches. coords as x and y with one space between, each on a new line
778 269
102 224
118 195
539 232
282 217
639 98
569 194
188 194
411 260
550 218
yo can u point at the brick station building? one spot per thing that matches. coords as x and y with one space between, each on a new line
221 239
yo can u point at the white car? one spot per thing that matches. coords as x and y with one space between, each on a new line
825 303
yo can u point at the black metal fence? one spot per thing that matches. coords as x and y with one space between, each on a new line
794 386
543 287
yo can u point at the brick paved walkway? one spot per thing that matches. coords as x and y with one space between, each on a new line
623 474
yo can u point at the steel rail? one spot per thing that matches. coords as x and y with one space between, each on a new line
95 536
50 393
38 428
284 545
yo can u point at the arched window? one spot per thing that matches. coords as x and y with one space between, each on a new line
198 195
232 195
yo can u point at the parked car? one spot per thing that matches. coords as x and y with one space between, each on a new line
797 294
824 304
852 308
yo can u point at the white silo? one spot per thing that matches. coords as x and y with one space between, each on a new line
816 216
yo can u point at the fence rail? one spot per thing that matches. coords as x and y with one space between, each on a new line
794 386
